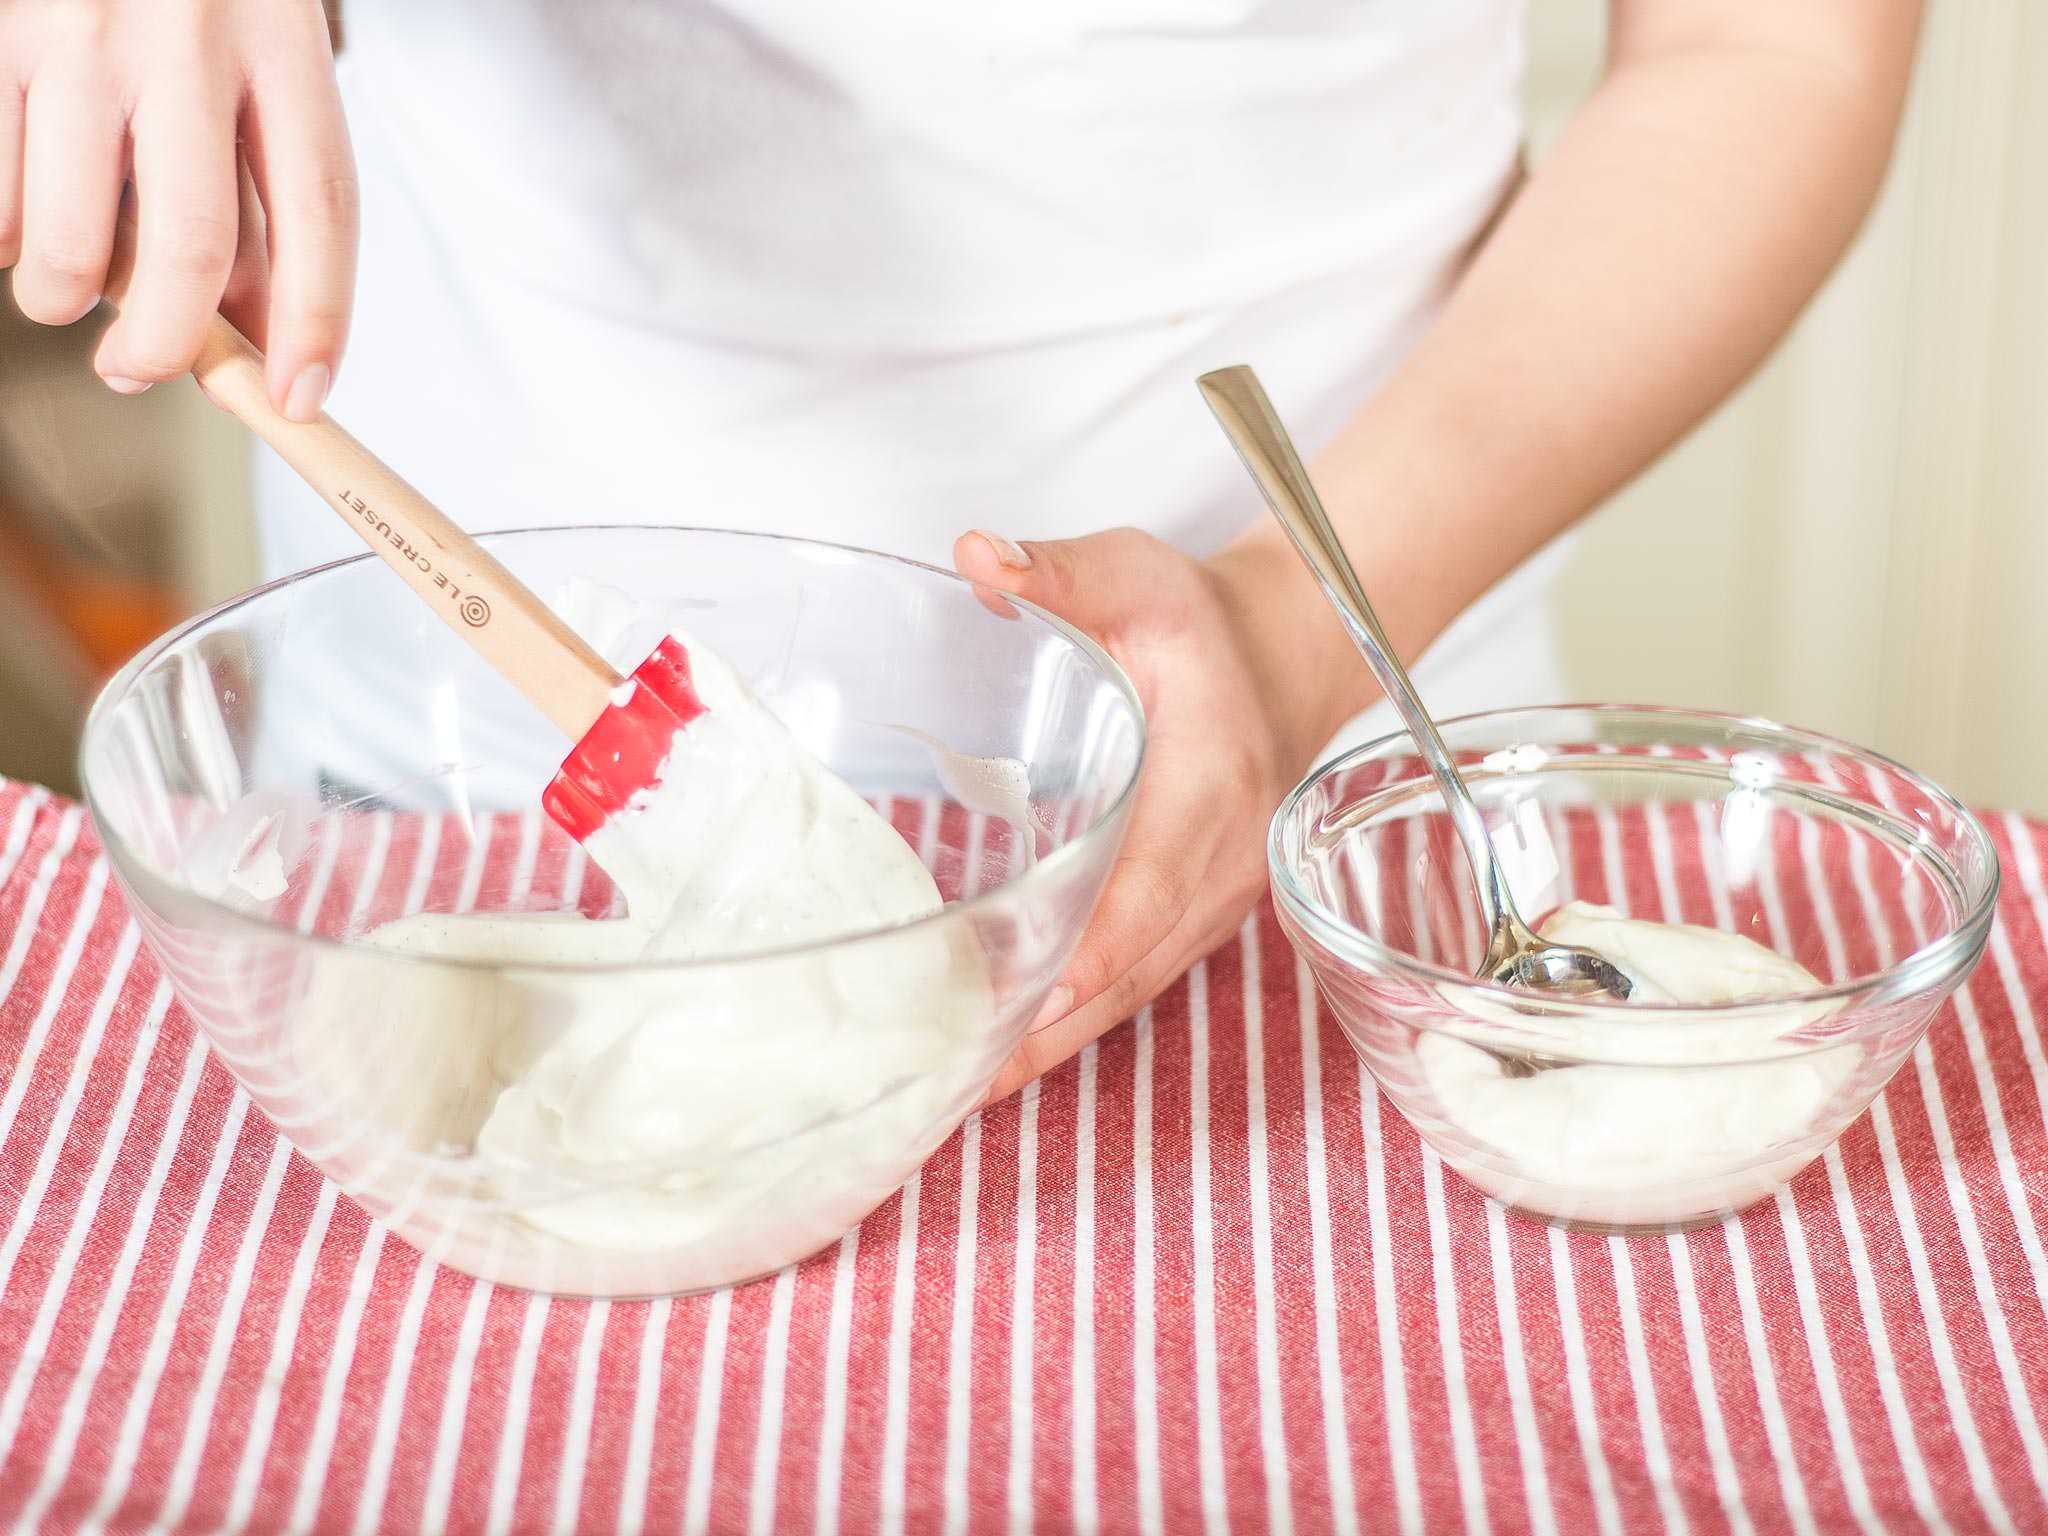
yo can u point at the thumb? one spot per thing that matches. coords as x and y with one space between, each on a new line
1085 581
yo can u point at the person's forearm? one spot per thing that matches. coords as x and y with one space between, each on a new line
1693 206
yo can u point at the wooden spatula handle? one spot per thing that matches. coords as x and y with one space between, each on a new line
462 582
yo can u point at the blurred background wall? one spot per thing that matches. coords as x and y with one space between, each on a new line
1857 542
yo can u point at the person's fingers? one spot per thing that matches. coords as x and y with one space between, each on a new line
1043 1049
1147 897
71 188
11 104
299 152
183 134
1180 888
977 554
1090 581
989 557
247 300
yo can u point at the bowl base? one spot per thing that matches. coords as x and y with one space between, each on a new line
1625 1229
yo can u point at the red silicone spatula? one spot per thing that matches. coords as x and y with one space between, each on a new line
623 727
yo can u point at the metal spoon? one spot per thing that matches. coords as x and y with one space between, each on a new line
1515 956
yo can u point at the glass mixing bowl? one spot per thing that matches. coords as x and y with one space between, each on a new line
1606 1115
282 775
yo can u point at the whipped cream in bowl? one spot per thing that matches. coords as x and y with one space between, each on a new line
1792 910
710 1040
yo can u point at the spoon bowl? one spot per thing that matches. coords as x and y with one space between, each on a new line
1533 963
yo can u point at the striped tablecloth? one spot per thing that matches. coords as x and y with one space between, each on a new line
1200 1277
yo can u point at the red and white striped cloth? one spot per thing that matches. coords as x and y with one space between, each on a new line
1201 1276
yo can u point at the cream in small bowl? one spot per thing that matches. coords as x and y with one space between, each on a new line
1799 907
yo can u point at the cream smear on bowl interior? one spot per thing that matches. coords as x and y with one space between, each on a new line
1728 1117
693 1108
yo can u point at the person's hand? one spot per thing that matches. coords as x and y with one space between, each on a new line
1234 720
173 96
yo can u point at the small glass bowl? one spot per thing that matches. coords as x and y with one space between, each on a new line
1604 1115
281 776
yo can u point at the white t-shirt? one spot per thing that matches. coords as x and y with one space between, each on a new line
887 271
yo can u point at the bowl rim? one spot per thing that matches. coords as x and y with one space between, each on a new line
1935 959
122 854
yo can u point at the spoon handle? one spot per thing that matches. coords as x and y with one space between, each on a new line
1254 429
